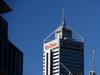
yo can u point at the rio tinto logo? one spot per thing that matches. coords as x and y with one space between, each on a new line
50 46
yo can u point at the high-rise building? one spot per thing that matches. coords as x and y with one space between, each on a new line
11 58
64 54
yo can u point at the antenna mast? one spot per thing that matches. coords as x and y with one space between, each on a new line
93 61
63 16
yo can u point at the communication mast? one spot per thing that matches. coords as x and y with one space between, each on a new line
93 71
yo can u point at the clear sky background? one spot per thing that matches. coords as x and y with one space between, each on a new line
32 20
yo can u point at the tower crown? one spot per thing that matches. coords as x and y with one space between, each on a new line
63 32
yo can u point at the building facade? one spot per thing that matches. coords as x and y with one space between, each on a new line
11 58
63 55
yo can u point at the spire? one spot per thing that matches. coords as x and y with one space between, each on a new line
93 71
93 61
63 17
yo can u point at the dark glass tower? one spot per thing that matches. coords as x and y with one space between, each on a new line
11 58
71 55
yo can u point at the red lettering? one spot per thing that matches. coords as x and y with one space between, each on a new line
51 45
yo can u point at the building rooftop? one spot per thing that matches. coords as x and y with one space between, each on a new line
4 8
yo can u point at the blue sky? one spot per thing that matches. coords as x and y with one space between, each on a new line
32 20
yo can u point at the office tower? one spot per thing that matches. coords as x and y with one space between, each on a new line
64 54
11 58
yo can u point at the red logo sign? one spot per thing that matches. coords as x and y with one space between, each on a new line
51 45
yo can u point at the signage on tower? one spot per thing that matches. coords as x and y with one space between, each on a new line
51 45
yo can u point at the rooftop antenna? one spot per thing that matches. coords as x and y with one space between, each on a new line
63 17
93 72
93 61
